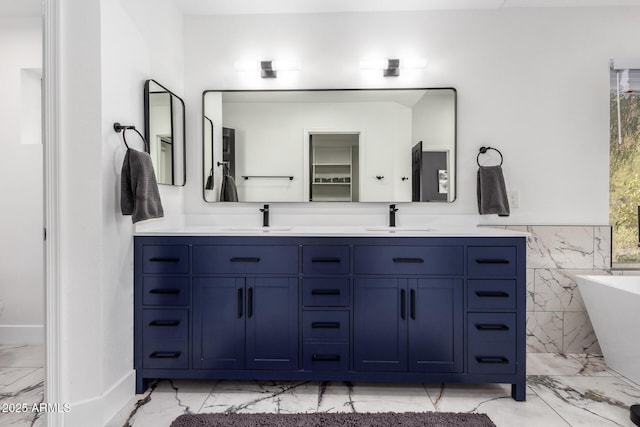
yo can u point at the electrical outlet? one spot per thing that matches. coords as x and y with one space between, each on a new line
514 199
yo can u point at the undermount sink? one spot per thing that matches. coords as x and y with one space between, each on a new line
401 229
250 229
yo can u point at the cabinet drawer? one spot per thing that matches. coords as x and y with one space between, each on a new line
325 357
408 260
492 343
325 325
491 294
165 259
165 339
159 290
325 259
491 261
225 259
325 292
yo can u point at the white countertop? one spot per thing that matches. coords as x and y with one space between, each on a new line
328 231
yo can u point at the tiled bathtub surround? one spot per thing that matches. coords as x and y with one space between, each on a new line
557 321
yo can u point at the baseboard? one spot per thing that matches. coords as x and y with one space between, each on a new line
100 410
21 334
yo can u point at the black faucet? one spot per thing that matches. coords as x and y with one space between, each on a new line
392 215
265 215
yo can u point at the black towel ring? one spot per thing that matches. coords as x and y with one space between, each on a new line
123 128
484 150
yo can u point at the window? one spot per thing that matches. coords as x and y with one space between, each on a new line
624 166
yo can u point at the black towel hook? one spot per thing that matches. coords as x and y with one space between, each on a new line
123 128
484 150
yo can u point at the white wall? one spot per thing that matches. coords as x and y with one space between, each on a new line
109 48
541 97
21 215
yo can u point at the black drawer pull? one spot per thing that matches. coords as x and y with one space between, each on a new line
325 325
492 261
240 303
235 259
492 327
165 291
409 260
162 259
325 292
164 323
164 355
325 358
325 260
492 294
249 303
492 359
413 304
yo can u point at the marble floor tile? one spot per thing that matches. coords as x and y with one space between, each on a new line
374 397
495 401
262 396
25 356
587 401
567 364
29 396
10 375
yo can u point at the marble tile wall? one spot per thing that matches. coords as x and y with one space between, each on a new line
557 321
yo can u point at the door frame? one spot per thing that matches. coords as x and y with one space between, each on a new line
52 208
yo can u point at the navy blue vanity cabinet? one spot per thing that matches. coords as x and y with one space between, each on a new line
408 308
245 310
496 313
326 307
342 308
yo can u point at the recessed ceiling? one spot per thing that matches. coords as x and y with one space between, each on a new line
15 8
226 7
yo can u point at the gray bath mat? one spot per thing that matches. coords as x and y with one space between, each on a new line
386 419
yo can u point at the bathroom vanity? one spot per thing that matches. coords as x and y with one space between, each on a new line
401 306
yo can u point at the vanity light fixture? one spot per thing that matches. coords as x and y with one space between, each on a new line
268 69
391 67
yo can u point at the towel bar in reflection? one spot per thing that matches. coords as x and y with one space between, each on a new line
246 177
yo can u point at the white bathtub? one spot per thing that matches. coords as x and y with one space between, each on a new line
613 304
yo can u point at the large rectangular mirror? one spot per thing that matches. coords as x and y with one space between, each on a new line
164 130
353 145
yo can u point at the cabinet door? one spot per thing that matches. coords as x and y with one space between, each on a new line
380 325
272 323
435 325
218 323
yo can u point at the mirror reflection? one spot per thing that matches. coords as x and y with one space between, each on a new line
164 130
369 145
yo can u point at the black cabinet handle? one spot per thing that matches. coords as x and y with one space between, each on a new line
240 303
164 323
325 325
325 291
492 261
164 355
403 304
240 259
249 303
409 260
325 259
492 294
325 358
492 359
492 327
162 259
413 304
165 291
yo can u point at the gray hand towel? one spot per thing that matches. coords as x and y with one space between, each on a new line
228 190
139 194
492 192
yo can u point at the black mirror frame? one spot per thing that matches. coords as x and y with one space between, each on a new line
147 131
